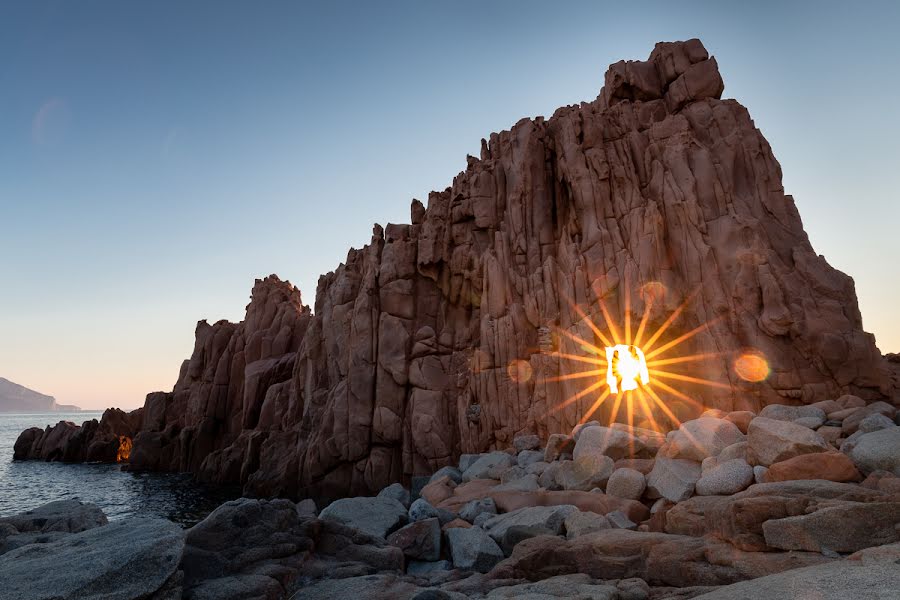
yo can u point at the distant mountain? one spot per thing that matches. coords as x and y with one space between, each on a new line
15 398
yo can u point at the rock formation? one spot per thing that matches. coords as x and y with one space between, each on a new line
658 201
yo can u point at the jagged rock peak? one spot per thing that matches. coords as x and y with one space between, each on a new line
678 72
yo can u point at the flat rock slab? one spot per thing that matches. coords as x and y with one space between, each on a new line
376 516
550 517
833 581
124 560
68 516
845 527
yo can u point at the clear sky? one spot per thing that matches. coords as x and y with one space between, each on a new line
156 158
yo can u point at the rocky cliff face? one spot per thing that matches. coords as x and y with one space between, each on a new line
444 336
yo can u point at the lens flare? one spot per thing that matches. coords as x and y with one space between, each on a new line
622 360
625 367
752 366
519 371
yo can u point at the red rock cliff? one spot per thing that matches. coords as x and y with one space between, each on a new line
657 190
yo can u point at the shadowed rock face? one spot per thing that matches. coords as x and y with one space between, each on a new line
656 195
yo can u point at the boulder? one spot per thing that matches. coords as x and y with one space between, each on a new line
306 509
738 450
419 541
375 516
456 523
614 443
729 477
642 465
700 438
875 422
454 474
526 442
467 460
829 433
526 483
586 501
809 422
660 559
438 490
557 445
739 519
773 441
580 523
397 492
488 466
526 458
421 509
519 533
550 518
626 483
418 567
741 418
124 560
619 520
851 423
781 412
473 549
673 479
878 451
251 548
832 466
48 523
471 510
759 473
585 473
844 527
466 492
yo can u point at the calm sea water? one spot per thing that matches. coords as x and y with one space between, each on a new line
27 484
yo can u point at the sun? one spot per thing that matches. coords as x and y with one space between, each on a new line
631 369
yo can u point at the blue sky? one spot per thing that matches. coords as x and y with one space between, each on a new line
156 158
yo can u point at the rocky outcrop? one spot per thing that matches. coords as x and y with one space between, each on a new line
441 336
107 440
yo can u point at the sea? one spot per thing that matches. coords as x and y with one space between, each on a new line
28 484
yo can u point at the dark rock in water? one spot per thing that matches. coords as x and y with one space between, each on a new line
108 440
125 560
48 523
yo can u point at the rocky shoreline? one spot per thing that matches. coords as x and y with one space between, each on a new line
430 414
795 494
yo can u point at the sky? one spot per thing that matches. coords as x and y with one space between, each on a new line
156 158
